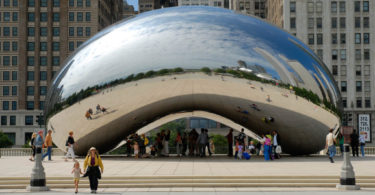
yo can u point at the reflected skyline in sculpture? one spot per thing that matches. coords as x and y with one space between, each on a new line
193 44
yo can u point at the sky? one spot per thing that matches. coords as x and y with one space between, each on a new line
134 3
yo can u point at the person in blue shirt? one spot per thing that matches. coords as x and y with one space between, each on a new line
38 143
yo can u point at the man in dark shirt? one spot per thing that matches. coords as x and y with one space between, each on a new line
354 142
230 142
242 136
70 144
184 143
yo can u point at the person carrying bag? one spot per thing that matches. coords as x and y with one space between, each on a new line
92 164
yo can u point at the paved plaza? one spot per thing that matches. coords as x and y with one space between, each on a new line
204 191
214 166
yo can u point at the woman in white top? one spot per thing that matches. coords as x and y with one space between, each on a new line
362 142
330 145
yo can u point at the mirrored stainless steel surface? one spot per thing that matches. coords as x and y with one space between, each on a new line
193 59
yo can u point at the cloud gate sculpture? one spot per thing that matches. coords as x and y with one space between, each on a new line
188 59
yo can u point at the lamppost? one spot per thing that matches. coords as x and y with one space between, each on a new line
38 176
347 176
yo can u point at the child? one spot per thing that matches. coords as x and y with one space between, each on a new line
240 148
136 149
236 149
77 172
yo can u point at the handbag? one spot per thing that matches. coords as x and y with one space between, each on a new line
90 170
278 149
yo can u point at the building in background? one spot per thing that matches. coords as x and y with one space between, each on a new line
213 3
342 34
250 7
35 37
128 10
148 5
168 3
275 10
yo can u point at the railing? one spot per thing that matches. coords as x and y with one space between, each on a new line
368 150
26 151
172 150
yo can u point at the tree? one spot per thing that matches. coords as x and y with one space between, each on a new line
174 126
221 143
4 141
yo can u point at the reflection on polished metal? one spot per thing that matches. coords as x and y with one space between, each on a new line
198 114
187 59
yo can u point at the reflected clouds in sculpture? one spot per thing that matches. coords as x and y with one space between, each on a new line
206 44
202 36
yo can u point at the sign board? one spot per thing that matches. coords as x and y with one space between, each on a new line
346 131
364 126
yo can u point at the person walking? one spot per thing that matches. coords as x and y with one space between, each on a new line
33 136
39 139
354 143
48 144
362 142
77 174
91 166
70 144
330 145
230 142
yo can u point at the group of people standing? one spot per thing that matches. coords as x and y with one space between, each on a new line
268 146
91 165
187 143
93 168
138 143
38 141
355 141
